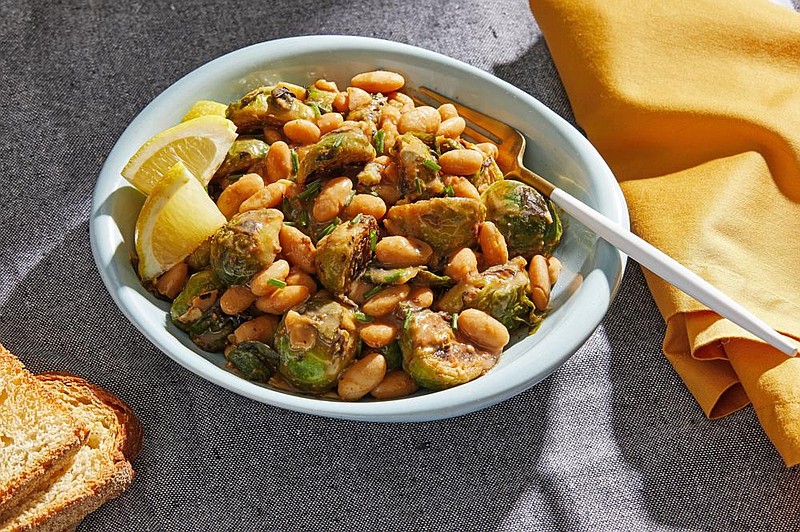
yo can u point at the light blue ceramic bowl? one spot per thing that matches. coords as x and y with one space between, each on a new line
592 268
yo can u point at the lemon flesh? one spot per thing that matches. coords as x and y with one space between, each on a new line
175 219
205 108
200 144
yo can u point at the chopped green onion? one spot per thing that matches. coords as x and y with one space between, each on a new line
295 162
360 316
373 193
454 323
349 199
311 190
407 320
431 165
277 283
315 107
389 279
337 141
448 191
372 291
355 220
303 218
418 184
290 224
378 139
328 229
373 239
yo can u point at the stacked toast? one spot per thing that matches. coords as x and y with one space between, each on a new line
66 448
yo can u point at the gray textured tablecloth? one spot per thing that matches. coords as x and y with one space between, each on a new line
612 440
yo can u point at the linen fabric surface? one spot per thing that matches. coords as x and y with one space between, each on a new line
612 440
696 108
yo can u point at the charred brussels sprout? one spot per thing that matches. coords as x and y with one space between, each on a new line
201 292
435 357
446 224
200 259
316 342
247 244
334 152
323 100
417 168
344 254
256 361
267 106
501 291
243 154
526 219
488 174
211 331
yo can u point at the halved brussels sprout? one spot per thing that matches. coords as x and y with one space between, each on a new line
211 331
435 357
200 258
242 154
200 293
343 255
501 291
527 220
247 244
323 100
417 168
256 361
446 224
335 152
267 106
319 341
488 174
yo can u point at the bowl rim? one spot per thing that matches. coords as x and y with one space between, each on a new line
443 404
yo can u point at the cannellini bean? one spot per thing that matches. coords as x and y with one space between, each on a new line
493 244
378 81
329 122
362 376
260 283
261 329
447 111
421 296
488 148
462 265
482 329
365 204
401 251
236 193
279 162
422 119
553 269
395 384
331 199
539 274
378 334
462 187
357 98
282 299
299 277
452 127
301 131
298 249
325 85
388 192
461 162
236 299
389 115
272 135
340 103
384 302
403 101
173 280
268 197
357 290
302 334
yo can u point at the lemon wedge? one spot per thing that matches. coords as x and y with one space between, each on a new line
175 219
205 108
200 144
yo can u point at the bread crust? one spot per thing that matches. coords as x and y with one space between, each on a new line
111 482
39 474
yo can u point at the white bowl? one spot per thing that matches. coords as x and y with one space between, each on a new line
592 268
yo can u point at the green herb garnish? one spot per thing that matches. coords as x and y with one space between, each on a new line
372 291
315 107
295 163
328 229
311 190
407 320
277 283
337 142
448 191
373 239
360 316
355 220
454 323
418 184
378 140
431 165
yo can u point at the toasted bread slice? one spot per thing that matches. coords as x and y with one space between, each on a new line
101 469
38 434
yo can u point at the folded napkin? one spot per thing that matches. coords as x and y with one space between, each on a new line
695 105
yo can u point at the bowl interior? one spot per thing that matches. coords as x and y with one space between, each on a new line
592 268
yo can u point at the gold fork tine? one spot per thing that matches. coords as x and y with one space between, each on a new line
473 133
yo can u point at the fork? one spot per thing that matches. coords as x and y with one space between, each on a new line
511 145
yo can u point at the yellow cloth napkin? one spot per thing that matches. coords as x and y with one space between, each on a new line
695 104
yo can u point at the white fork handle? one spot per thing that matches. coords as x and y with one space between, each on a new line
671 271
